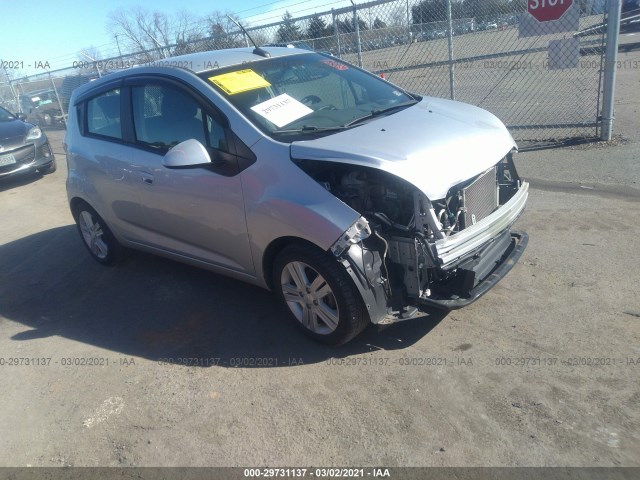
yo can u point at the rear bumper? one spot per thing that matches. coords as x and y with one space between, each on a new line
511 256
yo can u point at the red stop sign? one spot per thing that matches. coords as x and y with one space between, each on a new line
545 10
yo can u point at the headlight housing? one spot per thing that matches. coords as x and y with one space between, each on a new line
354 234
34 133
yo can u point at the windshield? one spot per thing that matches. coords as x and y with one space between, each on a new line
5 115
307 95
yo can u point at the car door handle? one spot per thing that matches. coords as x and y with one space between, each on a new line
147 178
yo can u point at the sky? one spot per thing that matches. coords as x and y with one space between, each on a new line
54 31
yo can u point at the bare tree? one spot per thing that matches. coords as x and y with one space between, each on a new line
260 37
153 27
88 59
223 33
155 33
89 53
188 27
123 24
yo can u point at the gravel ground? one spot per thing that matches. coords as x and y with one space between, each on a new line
542 371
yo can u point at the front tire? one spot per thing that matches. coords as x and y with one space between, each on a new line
319 295
96 236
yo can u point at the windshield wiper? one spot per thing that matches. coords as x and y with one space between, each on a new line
371 114
375 113
312 129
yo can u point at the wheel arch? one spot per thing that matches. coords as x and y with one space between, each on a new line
75 202
272 251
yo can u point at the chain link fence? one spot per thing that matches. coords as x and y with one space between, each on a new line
545 84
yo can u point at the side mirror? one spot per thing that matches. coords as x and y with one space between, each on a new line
190 153
20 116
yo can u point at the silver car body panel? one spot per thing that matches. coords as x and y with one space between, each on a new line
283 201
433 145
269 200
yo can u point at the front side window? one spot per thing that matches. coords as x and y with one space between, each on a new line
164 116
304 95
103 115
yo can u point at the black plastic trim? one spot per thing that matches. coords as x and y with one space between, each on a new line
520 241
372 292
97 91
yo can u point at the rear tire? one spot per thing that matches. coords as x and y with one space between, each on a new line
96 236
319 294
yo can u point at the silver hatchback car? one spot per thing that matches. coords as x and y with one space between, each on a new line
352 199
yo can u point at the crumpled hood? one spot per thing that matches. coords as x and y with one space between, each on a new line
434 144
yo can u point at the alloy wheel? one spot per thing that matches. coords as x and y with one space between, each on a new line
93 235
310 298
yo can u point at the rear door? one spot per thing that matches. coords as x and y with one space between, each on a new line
103 162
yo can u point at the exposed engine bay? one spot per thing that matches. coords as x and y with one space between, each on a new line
403 230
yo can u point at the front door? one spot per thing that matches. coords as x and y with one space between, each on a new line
198 211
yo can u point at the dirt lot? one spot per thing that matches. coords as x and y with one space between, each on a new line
541 371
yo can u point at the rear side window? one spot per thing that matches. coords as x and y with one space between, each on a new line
103 115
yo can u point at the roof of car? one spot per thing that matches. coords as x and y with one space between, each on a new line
37 92
204 61
194 62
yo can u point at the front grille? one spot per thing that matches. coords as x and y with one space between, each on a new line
480 199
23 156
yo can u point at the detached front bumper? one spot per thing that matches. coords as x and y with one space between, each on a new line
405 275
509 258
479 256
455 249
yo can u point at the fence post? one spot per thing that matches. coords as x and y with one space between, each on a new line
452 66
53 84
13 91
611 56
336 33
356 25
20 87
409 36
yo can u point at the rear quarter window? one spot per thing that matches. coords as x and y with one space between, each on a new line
103 115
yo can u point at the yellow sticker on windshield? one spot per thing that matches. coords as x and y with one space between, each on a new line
240 81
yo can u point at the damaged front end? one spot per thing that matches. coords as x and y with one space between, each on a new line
407 251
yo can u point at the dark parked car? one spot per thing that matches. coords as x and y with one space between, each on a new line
41 107
23 146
